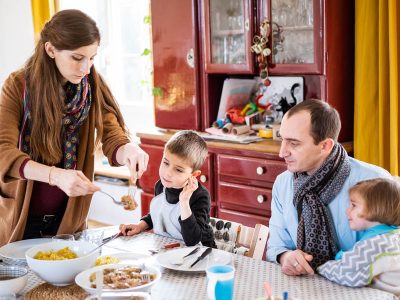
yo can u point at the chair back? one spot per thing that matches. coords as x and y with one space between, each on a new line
238 238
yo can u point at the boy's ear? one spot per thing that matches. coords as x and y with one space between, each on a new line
196 173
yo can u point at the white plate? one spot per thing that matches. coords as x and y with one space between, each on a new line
16 250
216 257
128 257
82 279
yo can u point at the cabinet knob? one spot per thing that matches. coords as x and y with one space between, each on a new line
247 24
260 199
203 178
260 170
190 58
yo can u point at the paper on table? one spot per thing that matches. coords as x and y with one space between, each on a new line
216 134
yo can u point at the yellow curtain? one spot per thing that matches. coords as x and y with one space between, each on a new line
376 106
42 10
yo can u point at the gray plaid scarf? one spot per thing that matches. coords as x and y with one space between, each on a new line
312 194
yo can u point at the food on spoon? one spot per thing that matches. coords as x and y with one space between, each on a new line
62 254
129 202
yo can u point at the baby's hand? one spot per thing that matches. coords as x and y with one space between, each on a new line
130 229
188 189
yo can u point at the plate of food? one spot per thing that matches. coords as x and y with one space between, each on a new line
179 260
16 250
118 277
121 257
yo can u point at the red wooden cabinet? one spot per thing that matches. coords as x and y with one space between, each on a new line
310 38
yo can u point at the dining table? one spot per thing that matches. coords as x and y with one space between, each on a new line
250 276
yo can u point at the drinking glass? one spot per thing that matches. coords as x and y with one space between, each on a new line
64 236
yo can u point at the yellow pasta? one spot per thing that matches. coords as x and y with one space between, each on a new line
64 253
106 260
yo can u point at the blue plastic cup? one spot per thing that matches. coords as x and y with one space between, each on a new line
220 282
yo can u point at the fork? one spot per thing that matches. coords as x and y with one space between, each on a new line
144 274
113 199
132 190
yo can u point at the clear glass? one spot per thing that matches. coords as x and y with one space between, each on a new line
227 26
92 235
292 31
64 236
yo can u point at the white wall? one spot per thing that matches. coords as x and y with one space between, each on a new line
16 35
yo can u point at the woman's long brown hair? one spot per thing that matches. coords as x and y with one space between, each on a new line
67 30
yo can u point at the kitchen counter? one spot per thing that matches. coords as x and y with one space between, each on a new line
265 146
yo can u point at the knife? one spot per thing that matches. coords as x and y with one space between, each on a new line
204 254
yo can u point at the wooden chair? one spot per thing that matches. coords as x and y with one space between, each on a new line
248 241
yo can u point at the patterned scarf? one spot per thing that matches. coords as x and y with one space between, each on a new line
312 194
78 99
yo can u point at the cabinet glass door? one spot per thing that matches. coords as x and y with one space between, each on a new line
227 35
296 36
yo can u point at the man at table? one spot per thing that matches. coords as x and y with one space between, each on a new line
308 223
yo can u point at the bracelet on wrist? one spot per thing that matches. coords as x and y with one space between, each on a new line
50 182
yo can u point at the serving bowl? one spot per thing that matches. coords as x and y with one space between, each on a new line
62 272
12 279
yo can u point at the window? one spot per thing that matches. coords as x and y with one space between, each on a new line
121 60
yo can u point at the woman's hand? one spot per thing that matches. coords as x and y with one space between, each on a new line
74 183
132 156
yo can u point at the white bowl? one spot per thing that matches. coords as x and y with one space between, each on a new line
62 272
15 284
83 278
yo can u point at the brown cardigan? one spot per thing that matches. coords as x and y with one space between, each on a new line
15 193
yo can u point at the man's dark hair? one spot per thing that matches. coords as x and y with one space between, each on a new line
325 120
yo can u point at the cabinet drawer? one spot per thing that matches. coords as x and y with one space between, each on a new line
243 218
249 168
245 198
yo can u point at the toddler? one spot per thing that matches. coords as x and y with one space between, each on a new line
374 212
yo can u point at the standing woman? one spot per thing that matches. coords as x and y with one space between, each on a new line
53 114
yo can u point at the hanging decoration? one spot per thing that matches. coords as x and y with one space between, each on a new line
260 47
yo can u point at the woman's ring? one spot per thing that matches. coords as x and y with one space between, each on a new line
295 264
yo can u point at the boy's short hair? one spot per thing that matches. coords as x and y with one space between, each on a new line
382 200
189 146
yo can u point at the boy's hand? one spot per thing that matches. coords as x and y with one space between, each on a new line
130 229
188 189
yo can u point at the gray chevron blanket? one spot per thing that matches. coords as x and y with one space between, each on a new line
356 268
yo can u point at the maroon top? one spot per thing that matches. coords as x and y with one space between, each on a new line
47 199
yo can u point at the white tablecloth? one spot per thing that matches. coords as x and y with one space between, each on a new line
249 278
